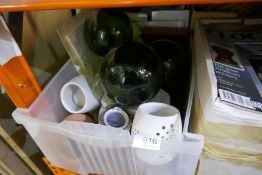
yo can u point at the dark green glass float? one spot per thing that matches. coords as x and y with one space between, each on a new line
131 74
173 58
108 29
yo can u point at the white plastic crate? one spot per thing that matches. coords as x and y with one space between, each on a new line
89 148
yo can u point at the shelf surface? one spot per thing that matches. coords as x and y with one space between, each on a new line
22 5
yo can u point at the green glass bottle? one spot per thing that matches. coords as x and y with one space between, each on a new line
108 29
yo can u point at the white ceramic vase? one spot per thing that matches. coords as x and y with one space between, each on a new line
157 120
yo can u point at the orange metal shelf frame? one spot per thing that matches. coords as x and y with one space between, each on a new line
16 75
22 5
19 82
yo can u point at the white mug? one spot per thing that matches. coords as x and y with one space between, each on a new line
77 97
157 120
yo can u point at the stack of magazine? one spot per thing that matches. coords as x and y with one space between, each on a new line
227 106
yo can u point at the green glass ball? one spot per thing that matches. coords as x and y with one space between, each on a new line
131 74
108 29
173 59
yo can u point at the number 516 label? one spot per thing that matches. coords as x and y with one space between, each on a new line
146 142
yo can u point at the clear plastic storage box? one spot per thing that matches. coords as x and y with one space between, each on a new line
90 148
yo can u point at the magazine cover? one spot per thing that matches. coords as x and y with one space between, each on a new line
237 60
